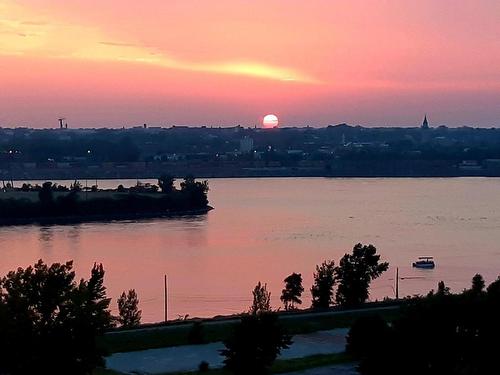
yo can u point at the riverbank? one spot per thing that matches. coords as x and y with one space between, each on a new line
336 168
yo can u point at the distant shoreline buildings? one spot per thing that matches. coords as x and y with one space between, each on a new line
336 150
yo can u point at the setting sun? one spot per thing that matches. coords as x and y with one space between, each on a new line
270 121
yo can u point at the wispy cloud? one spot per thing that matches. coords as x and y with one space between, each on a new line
118 44
55 39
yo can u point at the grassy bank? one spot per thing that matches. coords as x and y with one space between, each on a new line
213 330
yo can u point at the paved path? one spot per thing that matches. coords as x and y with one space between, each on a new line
188 357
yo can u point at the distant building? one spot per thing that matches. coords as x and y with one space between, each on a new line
425 124
246 145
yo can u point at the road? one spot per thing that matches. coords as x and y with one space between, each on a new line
188 357
338 369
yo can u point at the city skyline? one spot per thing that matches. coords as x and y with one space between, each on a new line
375 63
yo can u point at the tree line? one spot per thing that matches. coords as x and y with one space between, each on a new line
351 277
72 202
441 333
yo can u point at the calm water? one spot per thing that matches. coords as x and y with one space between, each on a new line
265 229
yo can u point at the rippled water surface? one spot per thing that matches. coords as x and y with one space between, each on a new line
265 229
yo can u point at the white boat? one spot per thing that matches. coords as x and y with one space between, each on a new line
424 262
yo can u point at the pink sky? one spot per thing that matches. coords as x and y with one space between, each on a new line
227 62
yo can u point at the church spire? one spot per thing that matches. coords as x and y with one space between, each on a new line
425 124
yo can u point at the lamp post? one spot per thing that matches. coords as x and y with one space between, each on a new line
165 297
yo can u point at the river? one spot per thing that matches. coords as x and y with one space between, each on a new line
265 229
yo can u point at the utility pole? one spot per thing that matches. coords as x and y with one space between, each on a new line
166 305
397 283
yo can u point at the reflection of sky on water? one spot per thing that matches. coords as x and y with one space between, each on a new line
265 229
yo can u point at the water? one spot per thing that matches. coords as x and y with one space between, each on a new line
265 229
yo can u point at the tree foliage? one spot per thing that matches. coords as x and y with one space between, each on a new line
261 300
254 344
49 322
129 314
290 295
367 338
45 194
442 333
195 190
355 273
322 289
477 284
166 183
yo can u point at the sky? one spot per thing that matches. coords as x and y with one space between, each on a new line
121 63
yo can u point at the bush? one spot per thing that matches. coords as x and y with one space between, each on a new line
441 333
366 335
203 366
196 334
254 345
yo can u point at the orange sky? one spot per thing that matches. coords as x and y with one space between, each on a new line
226 62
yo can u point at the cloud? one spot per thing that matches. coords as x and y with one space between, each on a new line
50 38
118 44
34 23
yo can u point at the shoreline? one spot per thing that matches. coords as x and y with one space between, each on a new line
211 176
63 220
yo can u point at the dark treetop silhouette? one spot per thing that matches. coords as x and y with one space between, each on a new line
49 322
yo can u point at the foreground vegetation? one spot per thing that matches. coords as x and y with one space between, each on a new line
442 333
50 201
49 322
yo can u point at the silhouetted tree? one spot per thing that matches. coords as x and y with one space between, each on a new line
261 300
196 191
290 296
49 323
76 186
254 344
477 284
45 194
128 309
355 273
442 289
322 289
493 289
166 183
